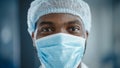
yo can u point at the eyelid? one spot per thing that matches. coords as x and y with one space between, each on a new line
78 26
47 28
46 23
75 27
74 22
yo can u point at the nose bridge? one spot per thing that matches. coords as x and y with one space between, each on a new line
61 29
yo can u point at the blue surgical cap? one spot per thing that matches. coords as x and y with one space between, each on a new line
39 8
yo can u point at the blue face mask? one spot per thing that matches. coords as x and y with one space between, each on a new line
60 50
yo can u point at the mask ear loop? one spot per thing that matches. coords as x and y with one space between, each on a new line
35 34
35 31
84 34
85 43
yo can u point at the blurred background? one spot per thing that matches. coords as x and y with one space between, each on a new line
16 50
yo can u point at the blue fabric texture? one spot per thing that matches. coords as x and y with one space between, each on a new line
60 50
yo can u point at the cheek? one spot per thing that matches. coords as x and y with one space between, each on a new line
78 32
43 34
79 35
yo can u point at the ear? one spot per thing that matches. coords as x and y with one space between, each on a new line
33 39
86 35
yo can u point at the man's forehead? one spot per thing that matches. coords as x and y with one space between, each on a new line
64 23
62 16
59 17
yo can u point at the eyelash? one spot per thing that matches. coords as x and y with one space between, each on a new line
73 28
47 29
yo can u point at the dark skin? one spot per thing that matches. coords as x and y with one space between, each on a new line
59 23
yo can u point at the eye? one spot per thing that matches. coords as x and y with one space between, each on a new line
47 29
74 29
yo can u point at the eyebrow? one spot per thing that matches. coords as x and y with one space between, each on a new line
74 22
43 23
46 22
52 23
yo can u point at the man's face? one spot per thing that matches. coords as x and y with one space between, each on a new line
59 23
